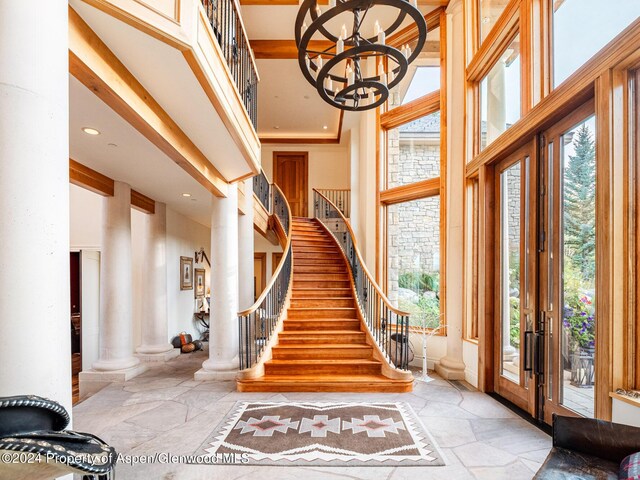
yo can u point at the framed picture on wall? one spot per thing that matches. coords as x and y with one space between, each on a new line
186 273
199 277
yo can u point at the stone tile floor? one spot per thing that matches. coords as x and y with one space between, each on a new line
165 410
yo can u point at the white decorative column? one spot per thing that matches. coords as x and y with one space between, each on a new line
223 333
116 361
34 200
451 366
246 249
155 345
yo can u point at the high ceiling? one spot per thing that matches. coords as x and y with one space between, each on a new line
288 106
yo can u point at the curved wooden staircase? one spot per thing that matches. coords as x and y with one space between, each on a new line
323 346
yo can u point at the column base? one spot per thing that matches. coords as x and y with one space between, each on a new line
158 357
217 370
112 375
450 369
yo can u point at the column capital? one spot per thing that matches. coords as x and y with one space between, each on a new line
455 7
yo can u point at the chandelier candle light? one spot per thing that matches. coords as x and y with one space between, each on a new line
339 72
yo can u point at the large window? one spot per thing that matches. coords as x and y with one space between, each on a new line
423 75
500 95
413 151
413 259
582 27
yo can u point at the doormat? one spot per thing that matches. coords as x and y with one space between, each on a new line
327 434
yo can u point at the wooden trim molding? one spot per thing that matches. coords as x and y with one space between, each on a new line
284 49
88 178
299 141
413 110
142 202
413 191
410 32
496 42
98 69
96 182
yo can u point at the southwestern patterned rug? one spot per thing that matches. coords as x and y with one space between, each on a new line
328 434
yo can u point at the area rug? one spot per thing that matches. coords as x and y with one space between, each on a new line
328 434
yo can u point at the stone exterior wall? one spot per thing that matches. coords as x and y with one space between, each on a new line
413 230
414 151
513 175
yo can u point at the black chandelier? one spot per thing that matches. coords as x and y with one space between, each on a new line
338 71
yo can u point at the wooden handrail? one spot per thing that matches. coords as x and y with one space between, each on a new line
283 259
364 266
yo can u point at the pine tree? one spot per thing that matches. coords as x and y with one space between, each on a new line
579 204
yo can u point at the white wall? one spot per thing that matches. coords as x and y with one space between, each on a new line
262 245
184 237
329 165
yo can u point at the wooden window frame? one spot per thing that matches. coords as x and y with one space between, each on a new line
470 326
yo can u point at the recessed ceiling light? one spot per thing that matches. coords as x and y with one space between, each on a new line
324 127
276 127
186 194
90 131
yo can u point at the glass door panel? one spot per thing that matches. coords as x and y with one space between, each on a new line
510 253
568 266
578 260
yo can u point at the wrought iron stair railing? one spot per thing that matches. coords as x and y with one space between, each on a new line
262 189
340 197
257 324
388 326
226 21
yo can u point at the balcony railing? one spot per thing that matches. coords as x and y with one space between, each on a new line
340 197
256 325
262 189
224 17
388 325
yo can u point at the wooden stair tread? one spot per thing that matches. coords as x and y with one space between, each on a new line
337 378
330 346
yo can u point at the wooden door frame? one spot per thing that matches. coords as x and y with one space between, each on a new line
274 262
522 396
263 273
305 197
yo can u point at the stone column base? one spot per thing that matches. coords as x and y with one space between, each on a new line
151 358
204 375
112 375
450 369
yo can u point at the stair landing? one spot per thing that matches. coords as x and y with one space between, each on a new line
322 347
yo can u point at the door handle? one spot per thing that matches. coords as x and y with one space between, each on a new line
528 350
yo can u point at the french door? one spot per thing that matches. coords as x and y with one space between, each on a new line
567 259
515 292
545 236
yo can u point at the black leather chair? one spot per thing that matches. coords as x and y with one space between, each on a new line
35 445
584 448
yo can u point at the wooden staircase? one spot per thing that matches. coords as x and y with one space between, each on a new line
323 344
